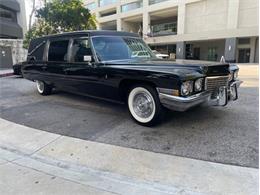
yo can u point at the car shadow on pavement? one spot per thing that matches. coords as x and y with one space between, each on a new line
220 134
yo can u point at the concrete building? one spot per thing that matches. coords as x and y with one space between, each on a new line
191 29
12 30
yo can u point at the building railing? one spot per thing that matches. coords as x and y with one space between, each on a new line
164 29
131 6
156 1
106 2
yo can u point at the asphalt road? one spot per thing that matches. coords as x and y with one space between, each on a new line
220 134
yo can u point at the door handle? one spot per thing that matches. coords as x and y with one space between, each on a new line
44 67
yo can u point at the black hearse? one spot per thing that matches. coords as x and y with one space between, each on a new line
105 64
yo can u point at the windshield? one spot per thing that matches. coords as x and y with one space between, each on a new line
109 48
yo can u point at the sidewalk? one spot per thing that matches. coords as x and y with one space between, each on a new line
55 164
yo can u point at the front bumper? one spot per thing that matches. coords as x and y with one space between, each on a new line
184 103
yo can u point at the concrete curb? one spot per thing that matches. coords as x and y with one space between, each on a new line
6 73
121 170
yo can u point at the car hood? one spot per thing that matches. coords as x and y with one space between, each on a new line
175 67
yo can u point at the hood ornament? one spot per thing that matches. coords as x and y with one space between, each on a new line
222 59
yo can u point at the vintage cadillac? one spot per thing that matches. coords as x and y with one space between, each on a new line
120 67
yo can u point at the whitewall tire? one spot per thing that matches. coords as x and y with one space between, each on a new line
144 105
43 88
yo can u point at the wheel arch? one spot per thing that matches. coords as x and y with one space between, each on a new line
126 84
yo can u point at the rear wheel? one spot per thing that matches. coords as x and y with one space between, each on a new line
43 88
144 105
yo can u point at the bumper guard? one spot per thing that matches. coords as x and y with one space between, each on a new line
184 103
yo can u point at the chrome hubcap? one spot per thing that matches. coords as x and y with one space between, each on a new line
143 105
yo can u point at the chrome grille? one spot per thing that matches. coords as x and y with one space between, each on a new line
213 83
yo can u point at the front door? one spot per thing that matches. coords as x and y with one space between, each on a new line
244 55
196 53
81 75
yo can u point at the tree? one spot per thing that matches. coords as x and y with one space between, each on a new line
60 16
31 14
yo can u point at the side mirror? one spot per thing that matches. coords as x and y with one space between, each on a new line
31 59
87 58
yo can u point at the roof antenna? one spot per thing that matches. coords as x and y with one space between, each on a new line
222 59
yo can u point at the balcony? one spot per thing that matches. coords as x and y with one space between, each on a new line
164 29
151 2
109 12
131 6
106 2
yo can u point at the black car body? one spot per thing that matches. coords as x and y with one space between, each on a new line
102 64
17 69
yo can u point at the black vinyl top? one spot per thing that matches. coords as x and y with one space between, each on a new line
35 42
93 33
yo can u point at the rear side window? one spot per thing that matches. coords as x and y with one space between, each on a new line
80 48
36 50
58 51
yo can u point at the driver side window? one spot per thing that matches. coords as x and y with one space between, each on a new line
80 50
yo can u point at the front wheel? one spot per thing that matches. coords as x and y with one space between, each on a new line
144 105
43 88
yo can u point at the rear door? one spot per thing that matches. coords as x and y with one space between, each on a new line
36 60
57 59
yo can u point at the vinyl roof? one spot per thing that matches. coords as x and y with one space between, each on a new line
93 33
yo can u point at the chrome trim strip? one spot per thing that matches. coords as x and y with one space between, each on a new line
166 90
236 82
185 99
216 77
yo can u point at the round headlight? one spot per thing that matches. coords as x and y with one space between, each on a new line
235 74
198 84
186 88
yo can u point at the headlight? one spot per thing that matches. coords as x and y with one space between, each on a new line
235 74
198 84
186 88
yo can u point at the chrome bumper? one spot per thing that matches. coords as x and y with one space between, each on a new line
184 103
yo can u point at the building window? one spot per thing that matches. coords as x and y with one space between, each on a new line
212 54
156 1
164 29
6 14
91 6
244 41
106 2
80 49
58 51
131 6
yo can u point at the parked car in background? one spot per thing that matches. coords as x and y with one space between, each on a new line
140 54
160 55
104 64
17 69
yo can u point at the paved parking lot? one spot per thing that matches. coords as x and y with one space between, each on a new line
227 135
